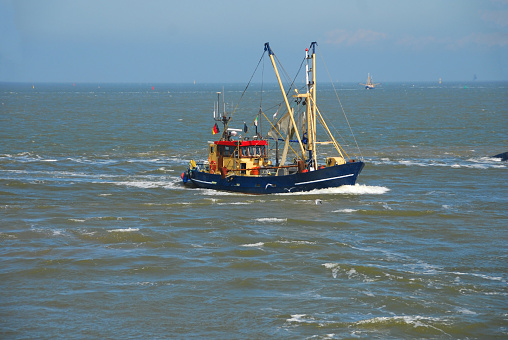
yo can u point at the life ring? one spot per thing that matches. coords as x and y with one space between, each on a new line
213 167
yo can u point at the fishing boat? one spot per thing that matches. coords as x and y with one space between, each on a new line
369 85
244 165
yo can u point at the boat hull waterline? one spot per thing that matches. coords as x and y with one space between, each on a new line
328 177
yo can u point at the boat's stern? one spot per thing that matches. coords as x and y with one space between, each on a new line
187 175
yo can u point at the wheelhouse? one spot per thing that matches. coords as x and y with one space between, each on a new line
243 157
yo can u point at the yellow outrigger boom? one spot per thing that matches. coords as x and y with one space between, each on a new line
290 110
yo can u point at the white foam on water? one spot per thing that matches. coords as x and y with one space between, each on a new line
259 244
48 231
335 267
145 283
488 277
386 206
485 160
76 220
297 318
148 184
465 311
368 293
411 163
483 276
168 170
296 242
416 321
84 160
123 230
234 203
406 318
271 220
421 268
155 160
330 265
345 210
477 166
454 163
357 189
7 236
496 293
212 192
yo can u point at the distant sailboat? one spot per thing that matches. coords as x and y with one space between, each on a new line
369 85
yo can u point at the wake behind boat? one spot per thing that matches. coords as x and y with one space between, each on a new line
243 164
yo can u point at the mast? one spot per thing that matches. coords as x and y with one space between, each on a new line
308 117
310 98
314 105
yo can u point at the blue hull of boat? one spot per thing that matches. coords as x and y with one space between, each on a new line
328 177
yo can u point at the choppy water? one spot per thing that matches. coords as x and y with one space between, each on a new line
100 240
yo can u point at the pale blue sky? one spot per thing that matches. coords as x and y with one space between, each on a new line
165 41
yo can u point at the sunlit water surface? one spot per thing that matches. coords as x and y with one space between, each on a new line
99 239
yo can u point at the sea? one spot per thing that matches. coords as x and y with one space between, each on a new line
99 238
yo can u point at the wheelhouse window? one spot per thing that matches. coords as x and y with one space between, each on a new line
254 151
228 151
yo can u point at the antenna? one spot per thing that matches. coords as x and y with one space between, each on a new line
216 115
223 103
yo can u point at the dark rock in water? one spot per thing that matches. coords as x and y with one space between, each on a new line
503 156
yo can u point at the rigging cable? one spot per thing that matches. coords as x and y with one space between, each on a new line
243 93
336 94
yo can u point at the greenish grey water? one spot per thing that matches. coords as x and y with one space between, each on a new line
99 239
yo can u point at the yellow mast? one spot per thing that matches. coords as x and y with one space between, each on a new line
270 53
314 106
312 110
